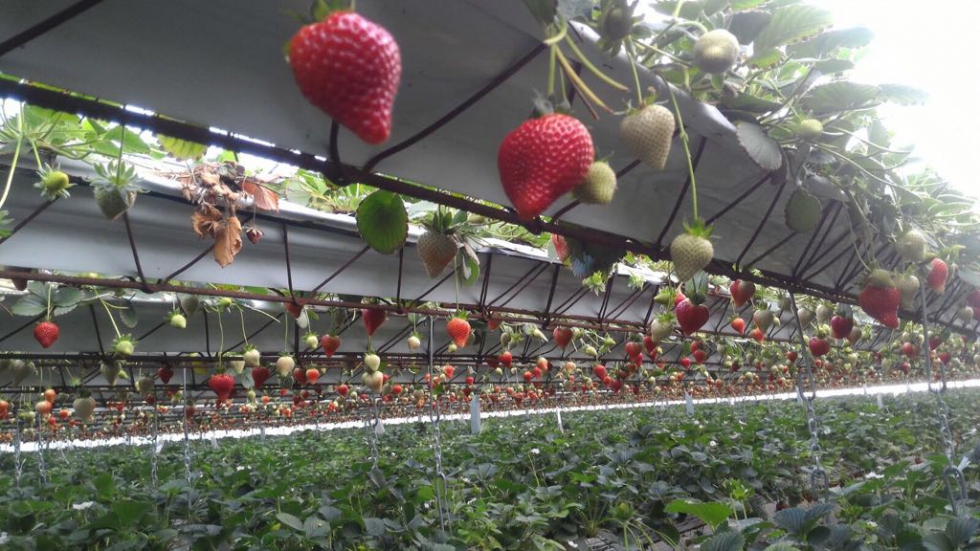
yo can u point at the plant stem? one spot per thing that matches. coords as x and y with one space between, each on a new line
13 163
241 314
687 150
111 319
631 56
552 54
592 68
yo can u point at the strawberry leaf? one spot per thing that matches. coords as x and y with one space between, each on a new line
265 198
128 315
228 241
763 150
29 305
791 24
383 221
182 150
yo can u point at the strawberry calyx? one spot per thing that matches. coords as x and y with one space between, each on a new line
698 228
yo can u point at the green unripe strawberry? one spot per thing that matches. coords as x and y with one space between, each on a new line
912 246
178 320
691 251
803 211
53 184
648 134
809 129
598 186
123 346
716 51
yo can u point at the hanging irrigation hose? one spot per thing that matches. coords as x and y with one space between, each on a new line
440 483
819 481
952 475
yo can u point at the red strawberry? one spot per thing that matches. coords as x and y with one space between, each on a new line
880 298
650 345
330 344
312 374
505 358
742 292
758 334
973 300
561 247
685 362
494 323
542 160
165 373
738 324
222 384
459 330
295 309
818 346
691 317
700 356
633 348
46 333
260 375
841 326
599 371
562 336
350 68
343 389
936 280
791 356
373 319
299 375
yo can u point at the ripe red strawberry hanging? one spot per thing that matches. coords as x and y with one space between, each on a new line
46 333
562 336
842 323
330 344
165 373
880 298
459 330
373 319
350 68
222 384
742 292
690 316
260 375
542 160
936 280
819 345
738 324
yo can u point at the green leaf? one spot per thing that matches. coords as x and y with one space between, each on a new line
105 486
374 527
782 546
712 514
831 66
128 314
544 11
725 541
826 43
747 25
189 304
383 221
937 541
793 520
961 530
752 104
131 142
902 95
67 296
130 512
29 305
762 149
290 521
791 24
839 96
182 150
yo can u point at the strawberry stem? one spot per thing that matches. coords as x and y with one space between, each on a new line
111 319
551 69
687 149
592 68
241 313
13 163
578 82
631 56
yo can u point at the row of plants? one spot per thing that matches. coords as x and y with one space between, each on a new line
628 477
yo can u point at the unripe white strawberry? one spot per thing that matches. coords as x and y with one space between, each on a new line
372 362
647 134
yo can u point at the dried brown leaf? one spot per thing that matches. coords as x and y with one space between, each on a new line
265 198
206 220
228 241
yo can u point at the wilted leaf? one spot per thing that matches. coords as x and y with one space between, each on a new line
206 221
228 241
760 147
265 198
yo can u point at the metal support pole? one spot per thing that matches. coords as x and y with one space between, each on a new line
440 482
819 481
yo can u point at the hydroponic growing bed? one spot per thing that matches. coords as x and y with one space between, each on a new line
270 215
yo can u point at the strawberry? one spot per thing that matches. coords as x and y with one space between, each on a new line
633 349
598 186
562 336
685 363
647 134
437 251
252 356
742 292
908 288
349 68
177 320
222 384
599 371
855 335
716 51
880 298
53 184
46 332
936 280
650 346
738 324
285 365
965 314
841 326
254 234
165 373
700 356
758 334
819 346
84 406
542 160
762 319
973 300
691 251
373 319
260 375
295 309
691 317
561 247
299 376
343 389
330 344
912 246
459 330
505 358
